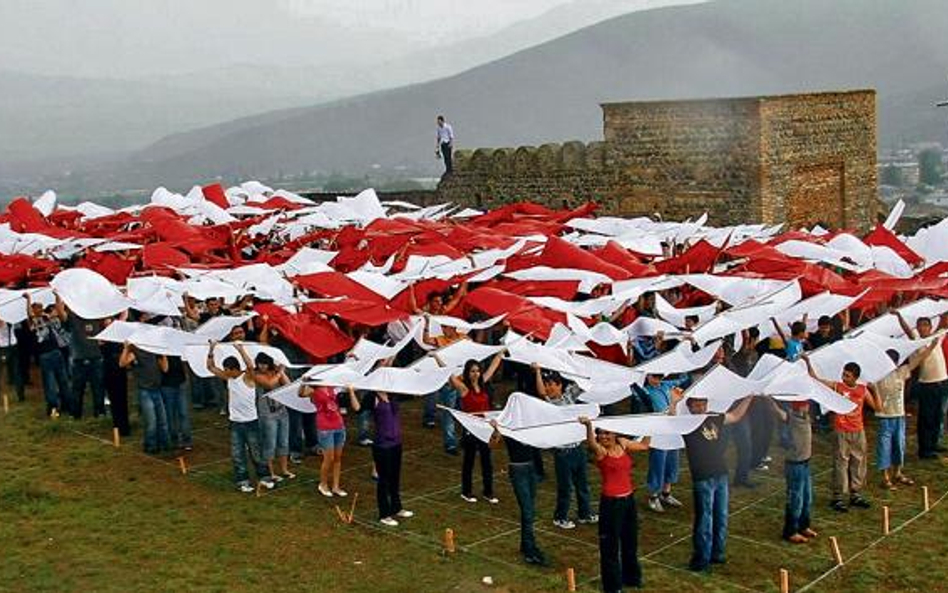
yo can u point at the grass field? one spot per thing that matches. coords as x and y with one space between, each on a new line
77 514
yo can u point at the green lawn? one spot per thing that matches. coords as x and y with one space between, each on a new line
77 514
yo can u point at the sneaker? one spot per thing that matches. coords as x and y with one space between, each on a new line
267 483
389 521
430 425
839 506
276 479
222 412
403 514
340 493
492 500
296 459
768 459
245 487
670 501
859 501
324 490
590 520
564 524
365 442
655 504
537 559
469 498
762 467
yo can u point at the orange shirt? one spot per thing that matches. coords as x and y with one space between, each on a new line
851 422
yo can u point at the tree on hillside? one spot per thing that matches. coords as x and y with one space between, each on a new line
930 166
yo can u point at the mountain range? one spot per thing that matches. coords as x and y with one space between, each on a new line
551 91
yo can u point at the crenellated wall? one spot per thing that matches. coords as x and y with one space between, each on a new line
797 158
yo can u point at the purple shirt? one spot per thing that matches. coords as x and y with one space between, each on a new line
388 427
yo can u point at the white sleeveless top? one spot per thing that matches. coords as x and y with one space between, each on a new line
241 400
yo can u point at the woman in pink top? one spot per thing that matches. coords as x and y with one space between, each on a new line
331 434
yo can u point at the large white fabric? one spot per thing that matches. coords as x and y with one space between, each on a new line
681 359
196 355
89 294
217 328
676 316
455 356
288 395
587 279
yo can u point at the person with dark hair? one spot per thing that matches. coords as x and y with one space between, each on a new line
274 419
827 331
85 360
797 513
706 449
849 443
387 455
570 461
444 144
49 338
148 369
759 421
10 358
176 403
618 518
522 472
890 438
331 432
242 411
931 388
663 394
475 399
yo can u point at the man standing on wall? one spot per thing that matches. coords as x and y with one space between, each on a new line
445 144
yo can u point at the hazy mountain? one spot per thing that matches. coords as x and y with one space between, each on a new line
551 92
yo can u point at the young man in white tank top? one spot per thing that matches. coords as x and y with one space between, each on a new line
242 410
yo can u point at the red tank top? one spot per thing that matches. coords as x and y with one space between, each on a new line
616 475
475 401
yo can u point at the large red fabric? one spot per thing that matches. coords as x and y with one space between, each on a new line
699 259
883 237
559 253
314 335
522 314
618 255
163 255
214 193
336 284
367 313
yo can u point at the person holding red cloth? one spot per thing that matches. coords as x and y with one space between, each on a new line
618 518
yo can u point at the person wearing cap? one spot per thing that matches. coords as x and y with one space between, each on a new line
706 448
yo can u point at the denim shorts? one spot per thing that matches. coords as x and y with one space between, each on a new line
331 439
274 436
890 442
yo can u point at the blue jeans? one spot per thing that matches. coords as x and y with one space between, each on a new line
448 397
799 497
363 419
244 436
55 382
151 410
662 469
87 370
179 414
275 435
709 538
571 472
890 443
523 478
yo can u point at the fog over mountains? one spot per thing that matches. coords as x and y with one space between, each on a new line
547 92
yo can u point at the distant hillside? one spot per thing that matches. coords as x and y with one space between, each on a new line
551 92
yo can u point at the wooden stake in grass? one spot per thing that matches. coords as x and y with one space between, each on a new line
342 515
570 579
784 580
183 466
449 546
116 439
6 403
925 497
885 520
834 547
352 508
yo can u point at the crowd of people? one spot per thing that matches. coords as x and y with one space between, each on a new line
272 436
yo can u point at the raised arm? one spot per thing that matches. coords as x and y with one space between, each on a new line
917 358
248 362
459 294
538 378
190 311
904 324
354 404
591 441
631 445
211 365
162 363
735 415
494 365
873 398
60 308
779 329
127 357
812 372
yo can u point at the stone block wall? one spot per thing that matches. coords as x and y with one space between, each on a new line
796 158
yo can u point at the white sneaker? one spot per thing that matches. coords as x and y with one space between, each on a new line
340 493
655 504
567 524
389 522
493 500
267 483
469 498
245 487
768 459
590 520
403 514
669 500
276 479
324 491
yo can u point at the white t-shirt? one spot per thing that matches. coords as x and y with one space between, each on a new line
241 400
